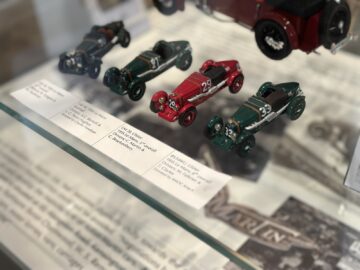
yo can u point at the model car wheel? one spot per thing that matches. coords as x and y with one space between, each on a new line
334 23
245 146
184 62
125 38
166 7
214 127
296 108
237 84
112 77
188 117
94 71
272 40
61 65
137 91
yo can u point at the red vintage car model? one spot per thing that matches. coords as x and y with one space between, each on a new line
282 25
196 89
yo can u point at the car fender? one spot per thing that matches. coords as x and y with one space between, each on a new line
232 77
242 136
185 108
286 24
206 65
158 95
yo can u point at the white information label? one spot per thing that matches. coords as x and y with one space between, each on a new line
165 167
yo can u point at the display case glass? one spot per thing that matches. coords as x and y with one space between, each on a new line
90 179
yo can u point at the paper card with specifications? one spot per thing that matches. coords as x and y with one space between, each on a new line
184 178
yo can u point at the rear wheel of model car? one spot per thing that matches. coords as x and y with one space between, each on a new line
167 7
214 126
184 62
124 38
296 108
94 71
188 117
137 91
245 146
272 39
237 84
334 23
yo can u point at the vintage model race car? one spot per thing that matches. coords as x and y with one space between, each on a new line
86 58
282 25
271 101
148 65
196 89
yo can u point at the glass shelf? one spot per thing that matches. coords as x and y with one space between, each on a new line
286 200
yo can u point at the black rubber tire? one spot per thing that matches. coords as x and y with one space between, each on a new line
188 117
124 38
296 108
245 146
237 84
184 62
111 77
137 91
269 28
61 65
168 8
331 18
94 71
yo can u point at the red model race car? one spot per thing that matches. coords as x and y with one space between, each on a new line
196 89
282 25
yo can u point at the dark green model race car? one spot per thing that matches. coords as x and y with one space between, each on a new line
271 101
148 65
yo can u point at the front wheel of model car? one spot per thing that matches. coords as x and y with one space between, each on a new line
94 71
124 38
245 146
237 84
334 23
137 91
188 117
214 127
166 7
112 77
296 108
272 39
62 64
184 62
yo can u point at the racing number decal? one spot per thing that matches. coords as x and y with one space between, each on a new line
206 86
265 110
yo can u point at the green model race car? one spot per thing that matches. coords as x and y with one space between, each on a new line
148 65
271 101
